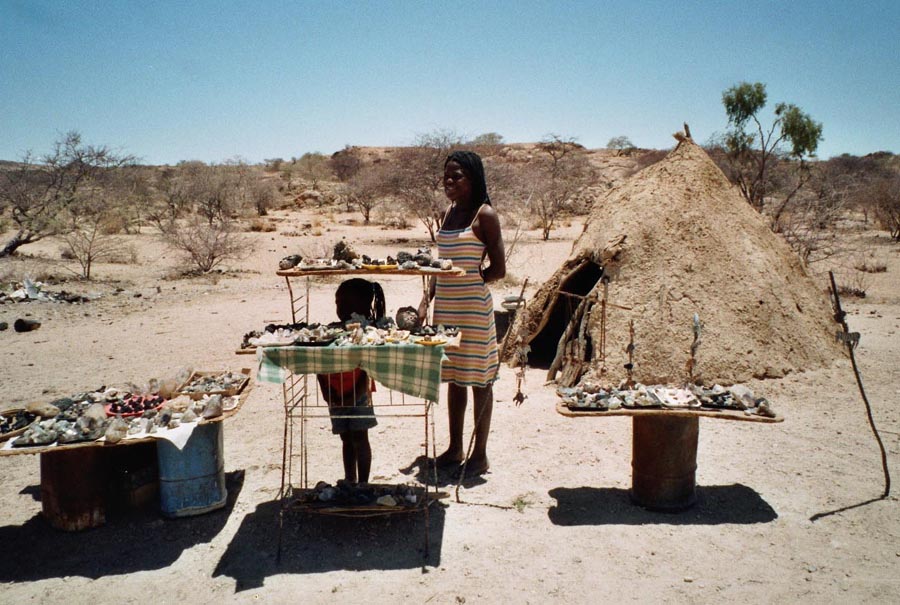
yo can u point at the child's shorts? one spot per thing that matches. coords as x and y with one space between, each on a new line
363 417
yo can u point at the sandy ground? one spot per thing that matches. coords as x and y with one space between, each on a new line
551 522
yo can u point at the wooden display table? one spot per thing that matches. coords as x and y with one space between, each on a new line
664 451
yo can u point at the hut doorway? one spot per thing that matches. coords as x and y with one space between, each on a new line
572 291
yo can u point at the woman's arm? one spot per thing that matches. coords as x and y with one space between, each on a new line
427 297
487 228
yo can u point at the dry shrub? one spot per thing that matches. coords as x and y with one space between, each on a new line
510 220
206 245
852 282
851 291
873 268
126 256
391 216
261 226
319 249
534 222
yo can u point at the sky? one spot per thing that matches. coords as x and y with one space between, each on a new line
194 80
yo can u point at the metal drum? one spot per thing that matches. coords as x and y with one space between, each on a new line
73 488
664 462
192 480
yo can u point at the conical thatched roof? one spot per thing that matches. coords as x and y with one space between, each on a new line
678 239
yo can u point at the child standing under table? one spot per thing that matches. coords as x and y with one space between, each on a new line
348 393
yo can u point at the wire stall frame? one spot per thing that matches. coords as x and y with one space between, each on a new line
298 410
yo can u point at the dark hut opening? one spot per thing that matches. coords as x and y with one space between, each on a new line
571 292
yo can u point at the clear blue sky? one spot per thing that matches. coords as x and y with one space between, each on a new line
189 79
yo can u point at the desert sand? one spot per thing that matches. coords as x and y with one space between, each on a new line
550 523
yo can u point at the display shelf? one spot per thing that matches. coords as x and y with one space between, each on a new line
303 403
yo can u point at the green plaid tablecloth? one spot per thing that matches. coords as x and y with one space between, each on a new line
407 368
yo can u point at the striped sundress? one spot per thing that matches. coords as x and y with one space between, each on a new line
466 302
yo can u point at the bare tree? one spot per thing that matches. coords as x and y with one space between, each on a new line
213 192
173 197
314 168
263 193
562 172
415 177
90 241
98 212
511 196
885 200
365 190
38 192
133 196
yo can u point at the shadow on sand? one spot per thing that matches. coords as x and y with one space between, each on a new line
129 542
716 504
423 469
314 543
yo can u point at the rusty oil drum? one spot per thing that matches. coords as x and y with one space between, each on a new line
73 484
664 461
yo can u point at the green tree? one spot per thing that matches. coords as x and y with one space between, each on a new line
753 149
487 139
620 143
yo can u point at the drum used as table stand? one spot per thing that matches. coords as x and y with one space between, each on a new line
73 483
192 479
664 450
664 462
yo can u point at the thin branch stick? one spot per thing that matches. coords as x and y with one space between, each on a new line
840 317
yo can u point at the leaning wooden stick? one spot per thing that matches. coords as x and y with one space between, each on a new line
841 318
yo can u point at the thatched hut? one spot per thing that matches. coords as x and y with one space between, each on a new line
675 240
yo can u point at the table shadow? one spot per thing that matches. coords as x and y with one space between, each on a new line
313 543
716 504
130 541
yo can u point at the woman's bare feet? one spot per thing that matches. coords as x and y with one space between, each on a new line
449 459
476 467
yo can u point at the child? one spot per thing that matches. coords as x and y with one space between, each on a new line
347 393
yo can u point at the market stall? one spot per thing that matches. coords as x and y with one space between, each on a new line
90 434
405 361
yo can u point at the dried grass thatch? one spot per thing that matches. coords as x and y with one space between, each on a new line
675 240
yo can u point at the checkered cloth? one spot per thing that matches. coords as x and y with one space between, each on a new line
407 368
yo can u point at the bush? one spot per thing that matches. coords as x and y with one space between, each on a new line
206 245
874 268
261 226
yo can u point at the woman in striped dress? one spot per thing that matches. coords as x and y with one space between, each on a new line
469 233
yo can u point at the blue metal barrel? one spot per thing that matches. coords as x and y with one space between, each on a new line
192 480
